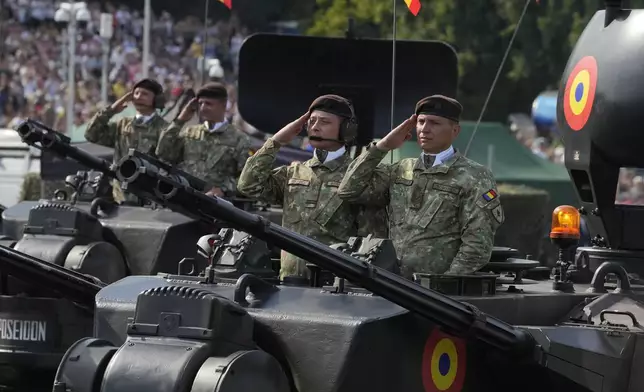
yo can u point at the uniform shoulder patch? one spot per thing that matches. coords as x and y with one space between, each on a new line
490 195
498 214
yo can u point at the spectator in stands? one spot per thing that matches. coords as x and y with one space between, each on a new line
33 55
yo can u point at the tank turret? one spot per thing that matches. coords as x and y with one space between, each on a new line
598 112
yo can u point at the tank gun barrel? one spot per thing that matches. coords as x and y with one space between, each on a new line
41 136
455 316
147 177
69 284
135 162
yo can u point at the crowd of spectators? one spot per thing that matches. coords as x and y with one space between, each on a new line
630 187
33 64
546 143
33 55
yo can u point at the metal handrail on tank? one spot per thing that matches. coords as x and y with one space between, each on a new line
455 316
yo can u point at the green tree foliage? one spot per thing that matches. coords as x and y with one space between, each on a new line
480 30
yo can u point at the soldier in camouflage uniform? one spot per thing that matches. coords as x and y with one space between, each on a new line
213 150
140 132
443 208
307 190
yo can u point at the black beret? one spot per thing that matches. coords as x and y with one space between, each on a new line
334 104
213 90
149 84
440 105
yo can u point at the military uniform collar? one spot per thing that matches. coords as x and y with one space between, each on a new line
215 127
330 155
140 119
440 168
440 157
331 164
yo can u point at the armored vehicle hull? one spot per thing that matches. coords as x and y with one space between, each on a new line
330 341
37 328
35 332
146 238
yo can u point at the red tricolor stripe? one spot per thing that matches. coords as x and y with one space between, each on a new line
414 6
229 3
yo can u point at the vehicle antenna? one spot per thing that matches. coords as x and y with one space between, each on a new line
496 78
393 78
205 44
350 33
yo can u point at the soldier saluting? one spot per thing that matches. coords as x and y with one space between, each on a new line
213 150
140 132
308 191
443 208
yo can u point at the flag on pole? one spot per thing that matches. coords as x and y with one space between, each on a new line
229 3
413 5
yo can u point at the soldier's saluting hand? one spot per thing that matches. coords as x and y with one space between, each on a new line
122 103
188 112
398 135
291 130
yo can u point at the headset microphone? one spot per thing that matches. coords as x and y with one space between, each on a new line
322 139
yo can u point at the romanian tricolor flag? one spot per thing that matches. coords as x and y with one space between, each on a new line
413 5
490 195
229 3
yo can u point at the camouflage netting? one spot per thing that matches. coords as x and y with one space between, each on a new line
527 220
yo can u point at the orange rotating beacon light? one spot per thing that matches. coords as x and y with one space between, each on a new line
564 233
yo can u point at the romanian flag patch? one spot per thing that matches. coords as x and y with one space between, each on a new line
490 195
